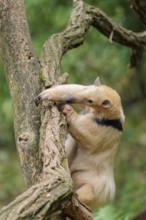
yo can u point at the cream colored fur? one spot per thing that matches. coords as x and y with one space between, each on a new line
90 148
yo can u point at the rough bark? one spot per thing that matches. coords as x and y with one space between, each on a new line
22 71
140 8
116 32
45 164
40 201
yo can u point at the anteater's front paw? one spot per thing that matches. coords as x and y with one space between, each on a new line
44 95
65 109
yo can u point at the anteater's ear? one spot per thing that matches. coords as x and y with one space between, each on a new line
106 103
97 82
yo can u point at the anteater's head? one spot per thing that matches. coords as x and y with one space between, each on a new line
104 100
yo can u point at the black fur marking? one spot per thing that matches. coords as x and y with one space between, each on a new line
115 123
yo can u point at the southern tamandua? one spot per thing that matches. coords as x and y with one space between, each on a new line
93 137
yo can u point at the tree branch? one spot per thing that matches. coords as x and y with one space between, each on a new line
81 18
40 201
116 32
76 211
140 8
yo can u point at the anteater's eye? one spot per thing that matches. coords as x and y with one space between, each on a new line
106 103
88 101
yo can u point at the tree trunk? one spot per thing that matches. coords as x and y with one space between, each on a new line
40 132
22 73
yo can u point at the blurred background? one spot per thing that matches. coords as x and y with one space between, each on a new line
96 57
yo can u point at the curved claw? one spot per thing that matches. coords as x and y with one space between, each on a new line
38 100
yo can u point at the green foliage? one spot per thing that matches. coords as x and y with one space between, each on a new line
10 177
97 57
111 213
6 124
